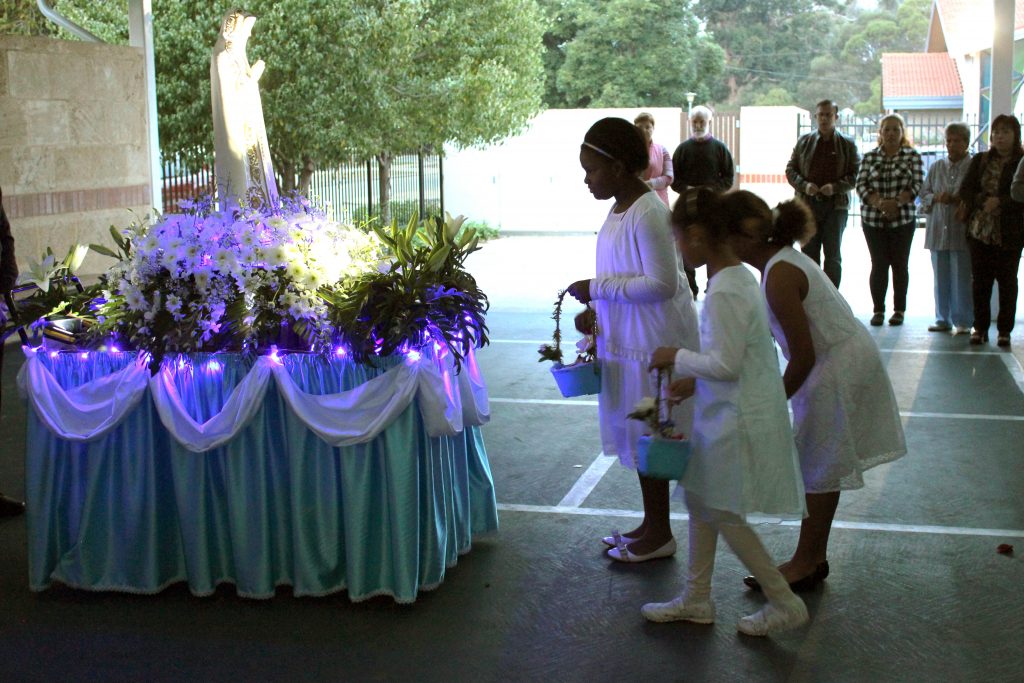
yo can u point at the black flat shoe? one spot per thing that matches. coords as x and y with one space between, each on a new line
877 319
897 318
1003 340
979 337
809 582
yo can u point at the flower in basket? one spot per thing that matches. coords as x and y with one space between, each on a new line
586 347
649 410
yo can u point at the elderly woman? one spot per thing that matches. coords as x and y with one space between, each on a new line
658 175
994 216
889 180
946 235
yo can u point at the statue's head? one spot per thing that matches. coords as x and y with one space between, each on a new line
237 26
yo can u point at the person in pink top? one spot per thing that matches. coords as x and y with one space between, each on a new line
658 175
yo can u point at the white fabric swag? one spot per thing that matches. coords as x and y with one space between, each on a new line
91 410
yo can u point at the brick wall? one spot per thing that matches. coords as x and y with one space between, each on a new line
73 149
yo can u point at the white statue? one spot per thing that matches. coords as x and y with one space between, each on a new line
242 164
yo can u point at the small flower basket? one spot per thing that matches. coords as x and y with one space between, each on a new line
581 378
578 379
664 454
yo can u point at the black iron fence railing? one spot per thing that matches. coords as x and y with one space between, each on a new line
348 192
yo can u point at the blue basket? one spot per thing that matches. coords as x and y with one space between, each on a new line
659 458
581 379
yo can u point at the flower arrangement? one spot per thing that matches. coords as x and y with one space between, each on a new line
57 295
286 276
208 280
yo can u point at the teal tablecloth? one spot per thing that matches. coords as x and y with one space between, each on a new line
134 511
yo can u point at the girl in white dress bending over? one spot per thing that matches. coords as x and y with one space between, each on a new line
845 416
742 458
641 302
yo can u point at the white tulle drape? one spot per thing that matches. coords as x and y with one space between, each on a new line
447 402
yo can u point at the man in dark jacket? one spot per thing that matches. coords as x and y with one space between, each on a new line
701 160
823 171
8 275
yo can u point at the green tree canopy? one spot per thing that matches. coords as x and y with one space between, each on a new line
632 54
346 78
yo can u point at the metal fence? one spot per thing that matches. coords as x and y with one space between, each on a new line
348 192
351 192
927 133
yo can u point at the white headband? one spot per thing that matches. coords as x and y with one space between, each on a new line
598 150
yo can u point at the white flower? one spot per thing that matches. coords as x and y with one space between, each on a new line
135 300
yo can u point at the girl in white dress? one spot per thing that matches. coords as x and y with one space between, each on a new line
641 302
845 416
742 459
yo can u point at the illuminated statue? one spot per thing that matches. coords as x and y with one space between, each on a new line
243 166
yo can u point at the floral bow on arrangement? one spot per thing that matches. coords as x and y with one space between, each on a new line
649 410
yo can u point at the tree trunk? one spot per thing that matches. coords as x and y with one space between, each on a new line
307 175
384 174
287 183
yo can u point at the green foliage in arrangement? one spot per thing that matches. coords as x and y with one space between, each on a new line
426 295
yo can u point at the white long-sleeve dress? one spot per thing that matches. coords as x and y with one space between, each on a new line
845 416
742 456
642 302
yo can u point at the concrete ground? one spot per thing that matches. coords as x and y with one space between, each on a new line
917 590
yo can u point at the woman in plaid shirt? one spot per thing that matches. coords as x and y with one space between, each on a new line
889 180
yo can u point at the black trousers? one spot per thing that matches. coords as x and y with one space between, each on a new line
890 250
994 263
830 223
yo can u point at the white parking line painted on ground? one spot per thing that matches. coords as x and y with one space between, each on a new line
543 401
587 481
964 416
837 524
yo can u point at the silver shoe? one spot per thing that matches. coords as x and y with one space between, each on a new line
621 553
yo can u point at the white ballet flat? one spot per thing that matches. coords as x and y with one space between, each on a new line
774 619
621 553
614 540
680 609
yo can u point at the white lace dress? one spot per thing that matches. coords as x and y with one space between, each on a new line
845 417
642 302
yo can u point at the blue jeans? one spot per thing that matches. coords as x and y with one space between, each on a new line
830 223
953 302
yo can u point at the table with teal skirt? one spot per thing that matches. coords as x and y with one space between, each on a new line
135 511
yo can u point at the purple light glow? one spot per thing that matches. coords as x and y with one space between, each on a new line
214 366
340 351
413 356
273 355
84 355
53 354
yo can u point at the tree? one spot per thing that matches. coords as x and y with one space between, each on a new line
632 54
561 24
356 78
769 43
